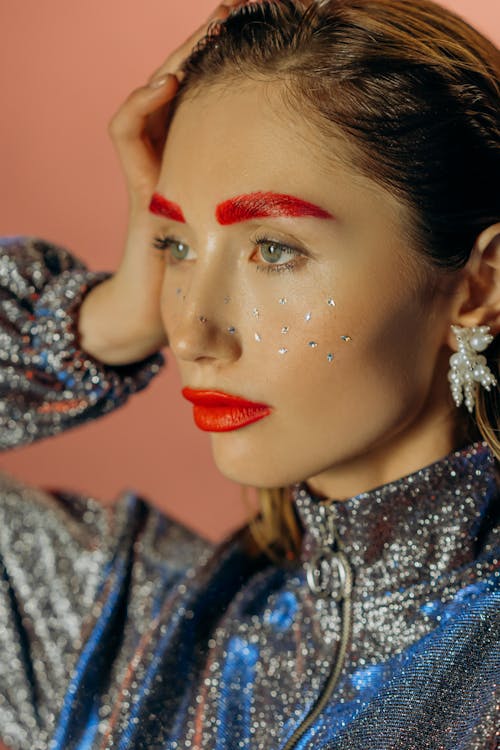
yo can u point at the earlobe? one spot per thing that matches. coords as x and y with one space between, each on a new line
480 300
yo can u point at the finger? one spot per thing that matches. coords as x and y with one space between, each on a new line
174 61
127 130
176 58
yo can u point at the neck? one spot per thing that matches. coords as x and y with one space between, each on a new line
388 460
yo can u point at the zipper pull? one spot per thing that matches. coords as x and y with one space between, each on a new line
329 571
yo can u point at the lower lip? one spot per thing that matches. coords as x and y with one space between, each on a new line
224 419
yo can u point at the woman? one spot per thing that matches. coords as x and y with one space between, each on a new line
351 149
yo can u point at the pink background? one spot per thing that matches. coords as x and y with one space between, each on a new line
64 69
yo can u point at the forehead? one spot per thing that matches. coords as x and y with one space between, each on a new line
239 138
245 126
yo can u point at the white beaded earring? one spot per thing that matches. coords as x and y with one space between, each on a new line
468 367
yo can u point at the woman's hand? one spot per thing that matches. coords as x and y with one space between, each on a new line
119 319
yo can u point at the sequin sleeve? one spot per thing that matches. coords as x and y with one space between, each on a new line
80 581
47 382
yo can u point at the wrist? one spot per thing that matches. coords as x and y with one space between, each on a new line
107 326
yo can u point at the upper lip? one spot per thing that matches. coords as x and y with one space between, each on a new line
218 398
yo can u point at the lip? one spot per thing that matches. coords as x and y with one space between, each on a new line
216 411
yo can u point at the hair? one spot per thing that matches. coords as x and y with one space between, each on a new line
415 92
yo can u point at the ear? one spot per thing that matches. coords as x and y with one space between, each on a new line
478 298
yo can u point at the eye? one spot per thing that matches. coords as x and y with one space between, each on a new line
178 250
274 251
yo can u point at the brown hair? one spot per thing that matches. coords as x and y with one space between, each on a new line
414 90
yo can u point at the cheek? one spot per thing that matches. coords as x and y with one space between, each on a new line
172 298
336 353
297 328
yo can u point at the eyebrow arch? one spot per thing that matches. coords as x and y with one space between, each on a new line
245 207
163 207
254 205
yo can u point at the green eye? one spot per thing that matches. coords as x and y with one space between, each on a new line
273 252
177 249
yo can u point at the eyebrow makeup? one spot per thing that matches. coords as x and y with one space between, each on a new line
262 204
162 207
245 207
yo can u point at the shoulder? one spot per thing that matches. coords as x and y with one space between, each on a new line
28 250
68 565
50 524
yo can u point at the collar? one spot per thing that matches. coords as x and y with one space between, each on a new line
421 526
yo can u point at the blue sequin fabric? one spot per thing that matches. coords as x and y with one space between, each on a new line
121 628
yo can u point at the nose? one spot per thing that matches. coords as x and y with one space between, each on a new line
203 325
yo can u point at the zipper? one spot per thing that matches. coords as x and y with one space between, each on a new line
328 574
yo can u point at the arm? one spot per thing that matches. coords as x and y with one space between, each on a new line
48 383
75 344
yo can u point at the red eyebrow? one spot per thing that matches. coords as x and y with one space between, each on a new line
254 205
162 207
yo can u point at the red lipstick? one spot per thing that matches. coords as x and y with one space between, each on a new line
215 411
255 205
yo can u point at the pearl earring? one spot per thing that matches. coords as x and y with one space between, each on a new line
468 367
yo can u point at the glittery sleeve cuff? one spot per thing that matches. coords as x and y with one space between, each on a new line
47 382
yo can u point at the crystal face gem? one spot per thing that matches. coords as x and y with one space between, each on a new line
255 312
307 316
331 302
231 329
202 319
313 344
258 337
285 329
283 301
346 338
283 350
329 357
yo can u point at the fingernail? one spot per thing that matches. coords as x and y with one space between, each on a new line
158 82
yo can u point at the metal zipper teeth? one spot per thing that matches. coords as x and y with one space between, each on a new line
333 678
345 606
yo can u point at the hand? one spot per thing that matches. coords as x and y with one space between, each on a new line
119 319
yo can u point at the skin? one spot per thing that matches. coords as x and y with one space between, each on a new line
383 407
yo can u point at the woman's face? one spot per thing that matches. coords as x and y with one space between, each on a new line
340 337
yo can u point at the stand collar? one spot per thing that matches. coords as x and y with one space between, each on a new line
422 525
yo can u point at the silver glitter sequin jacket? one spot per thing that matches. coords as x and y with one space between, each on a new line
120 628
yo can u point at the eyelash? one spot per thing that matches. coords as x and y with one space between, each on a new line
162 243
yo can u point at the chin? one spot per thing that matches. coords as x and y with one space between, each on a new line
251 471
